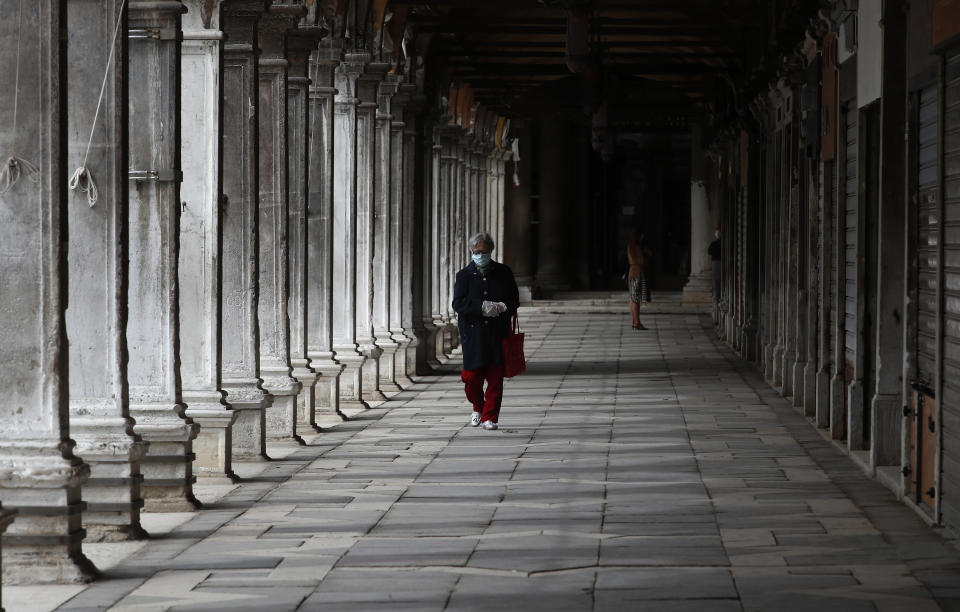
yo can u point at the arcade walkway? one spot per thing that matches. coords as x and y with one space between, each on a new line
633 471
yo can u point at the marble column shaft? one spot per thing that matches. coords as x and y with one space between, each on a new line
368 85
320 246
401 237
153 324
239 314
433 230
40 477
201 240
300 43
99 408
274 273
384 242
345 231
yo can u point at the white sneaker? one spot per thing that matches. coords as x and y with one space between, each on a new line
489 425
474 419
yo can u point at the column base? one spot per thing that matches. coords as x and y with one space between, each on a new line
810 390
777 366
306 399
370 371
281 418
351 379
838 403
112 493
798 369
249 401
855 432
167 466
214 450
699 288
401 358
823 408
6 517
43 545
387 365
327 387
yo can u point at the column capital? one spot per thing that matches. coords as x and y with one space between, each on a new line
202 20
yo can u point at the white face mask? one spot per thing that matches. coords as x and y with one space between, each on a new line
716 234
481 259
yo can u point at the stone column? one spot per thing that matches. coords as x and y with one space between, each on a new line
40 477
300 43
201 232
274 323
367 89
6 517
554 187
99 412
793 354
699 287
384 242
320 247
887 400
153 325
401 238
433 230
444 220
499 199
516 251
345 231
416 245
238 317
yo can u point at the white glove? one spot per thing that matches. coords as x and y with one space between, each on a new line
492 309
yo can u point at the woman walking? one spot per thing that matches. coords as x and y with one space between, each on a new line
485 297
636 277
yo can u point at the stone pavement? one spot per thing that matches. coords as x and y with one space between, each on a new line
633 471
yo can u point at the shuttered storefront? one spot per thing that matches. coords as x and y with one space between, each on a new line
927 238
950 400
851 206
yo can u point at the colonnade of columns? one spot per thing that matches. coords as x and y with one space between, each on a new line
278 219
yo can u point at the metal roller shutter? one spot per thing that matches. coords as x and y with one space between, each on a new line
927 238
850 255
950 399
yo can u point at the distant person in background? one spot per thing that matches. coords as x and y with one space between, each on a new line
714 252
636 276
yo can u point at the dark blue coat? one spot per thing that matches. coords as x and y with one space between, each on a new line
480 336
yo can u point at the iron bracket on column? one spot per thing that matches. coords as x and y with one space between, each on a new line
160 176
154 33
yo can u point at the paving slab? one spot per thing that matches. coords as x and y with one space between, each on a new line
632 471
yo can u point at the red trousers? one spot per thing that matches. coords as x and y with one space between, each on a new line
488 406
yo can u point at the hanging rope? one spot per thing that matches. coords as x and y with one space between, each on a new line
15 167
82 179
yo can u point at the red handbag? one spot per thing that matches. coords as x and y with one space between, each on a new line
514 362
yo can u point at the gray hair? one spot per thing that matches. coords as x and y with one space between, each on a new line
481 237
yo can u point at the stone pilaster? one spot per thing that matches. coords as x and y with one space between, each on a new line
889 271
432 228
516 249
201 232
345 229
401 238
274 323
40 477
320 246
367 91
699 287
300 43
99 410
153 323
238 317
418 203
6 517
551 272
384 242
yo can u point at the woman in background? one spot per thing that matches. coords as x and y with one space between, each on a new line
636 279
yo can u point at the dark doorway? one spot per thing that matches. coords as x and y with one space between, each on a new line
646 185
